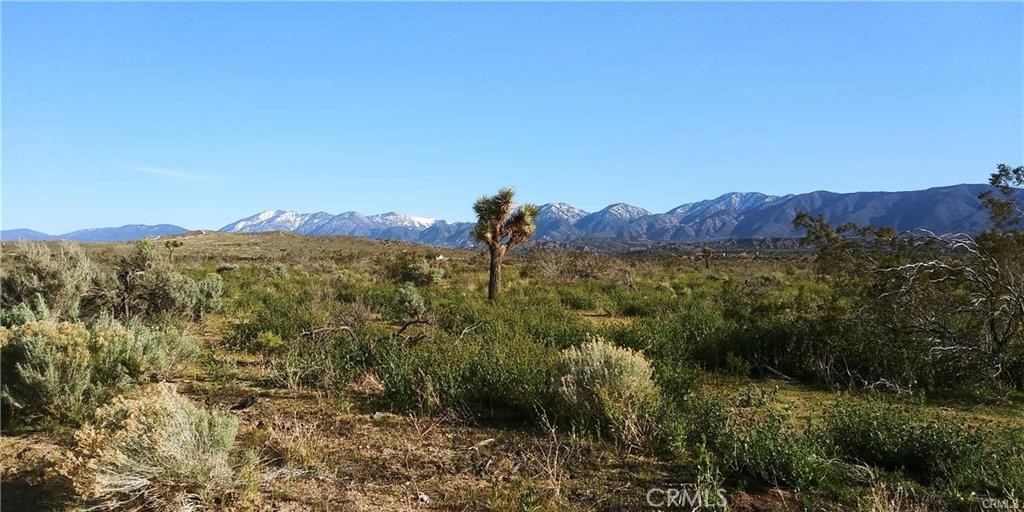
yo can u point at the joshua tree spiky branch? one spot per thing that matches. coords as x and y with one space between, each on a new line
501 227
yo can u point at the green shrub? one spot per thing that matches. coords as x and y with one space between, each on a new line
266 343
928 448
491 378
283 306
34 274
422 273
406 267
642 303
574 298
608 387
750 437
220 370
737 366
996 470
528 312
58 373
209 291
143 285
773 450
47 374
23 313
325 363
412 302
156 450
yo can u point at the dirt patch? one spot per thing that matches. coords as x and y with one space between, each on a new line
28 480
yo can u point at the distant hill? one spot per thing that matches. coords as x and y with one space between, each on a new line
732 216
24 234
119 234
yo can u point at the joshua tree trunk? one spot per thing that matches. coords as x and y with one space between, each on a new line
494 283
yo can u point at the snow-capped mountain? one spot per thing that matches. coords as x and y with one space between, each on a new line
556 221
392 225
323 223
561 211
269 220
312 221
708 219
734 215
734 201
398 220
610 221
352 223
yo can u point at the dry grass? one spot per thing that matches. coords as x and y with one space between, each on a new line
153 451
884 496
298 443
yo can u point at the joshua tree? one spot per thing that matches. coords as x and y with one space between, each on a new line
706 254
501 228
171 245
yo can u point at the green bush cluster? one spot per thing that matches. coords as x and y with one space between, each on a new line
491 378
69 286
35 275
750 439
406 267
283 307
532 313
962 459
22 313
753 440
59 372
577 298
596 386
325 363
412 303
771 325
143 284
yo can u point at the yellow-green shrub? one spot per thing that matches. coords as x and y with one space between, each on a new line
156 450
59 372
608 387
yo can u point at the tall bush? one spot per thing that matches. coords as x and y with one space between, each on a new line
58 278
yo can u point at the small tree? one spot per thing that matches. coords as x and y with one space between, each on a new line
171 245
501 228
706 254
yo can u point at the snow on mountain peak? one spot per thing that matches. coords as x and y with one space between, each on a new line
395 219
736 201
269 220
562 211
266 214
625 211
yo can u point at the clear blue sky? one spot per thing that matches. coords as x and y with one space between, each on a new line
199 114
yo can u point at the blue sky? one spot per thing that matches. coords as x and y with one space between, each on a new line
199 114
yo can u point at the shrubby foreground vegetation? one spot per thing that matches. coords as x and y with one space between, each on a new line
878 372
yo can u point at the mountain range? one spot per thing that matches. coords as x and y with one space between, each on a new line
126 233
736 215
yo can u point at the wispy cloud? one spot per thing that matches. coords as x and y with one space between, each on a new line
180 175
